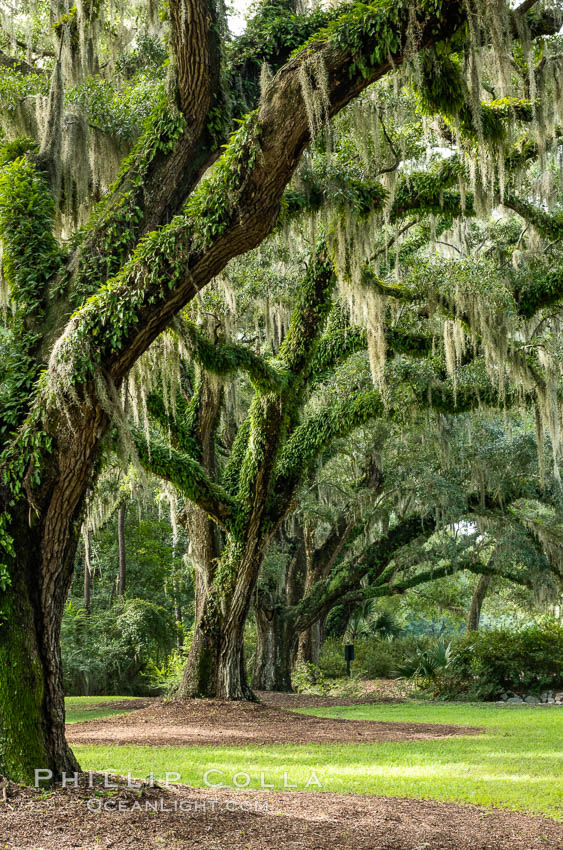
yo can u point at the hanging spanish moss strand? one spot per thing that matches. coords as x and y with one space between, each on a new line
314 89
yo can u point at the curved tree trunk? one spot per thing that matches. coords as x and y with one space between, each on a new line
275 649
477 600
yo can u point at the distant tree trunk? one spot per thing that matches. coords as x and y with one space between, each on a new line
310 643
177 612
215 665
275 649
121 546
87 569
276 644
477 602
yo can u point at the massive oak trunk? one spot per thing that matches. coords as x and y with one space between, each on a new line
44 529
32 712
277 635
215 666
275 649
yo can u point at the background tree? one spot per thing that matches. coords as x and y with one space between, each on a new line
252 493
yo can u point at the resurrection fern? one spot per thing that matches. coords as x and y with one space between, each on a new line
31 259
31 255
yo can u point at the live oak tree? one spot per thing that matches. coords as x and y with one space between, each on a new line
216 519
278 624
82 312
397 536
272 450
239 505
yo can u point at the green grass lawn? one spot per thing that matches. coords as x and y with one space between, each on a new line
516 763
75 711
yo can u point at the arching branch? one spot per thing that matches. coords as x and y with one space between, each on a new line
238 204
226 358
19 65
342 583
549 225
318 431
187 475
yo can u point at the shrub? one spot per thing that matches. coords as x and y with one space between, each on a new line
365 622
427 663
484 664
375 657
528 661
307 678
107 652
165 678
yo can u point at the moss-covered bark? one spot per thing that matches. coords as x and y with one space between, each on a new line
32 716
23 747
215 667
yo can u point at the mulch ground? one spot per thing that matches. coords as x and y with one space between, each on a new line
199 722
187 818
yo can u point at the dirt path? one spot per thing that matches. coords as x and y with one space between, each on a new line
115 705
190 818
278 699
217 723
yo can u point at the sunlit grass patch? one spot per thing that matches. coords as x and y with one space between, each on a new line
76 711
516 763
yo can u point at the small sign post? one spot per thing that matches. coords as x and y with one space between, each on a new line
348 655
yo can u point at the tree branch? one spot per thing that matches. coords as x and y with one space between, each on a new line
337 345
548 225
318 431
344 580
237 205
225 358
181 437
194 39
187 475
20 65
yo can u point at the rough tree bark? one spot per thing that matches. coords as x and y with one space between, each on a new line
319 563
275 649
276 637
310 644
216 666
